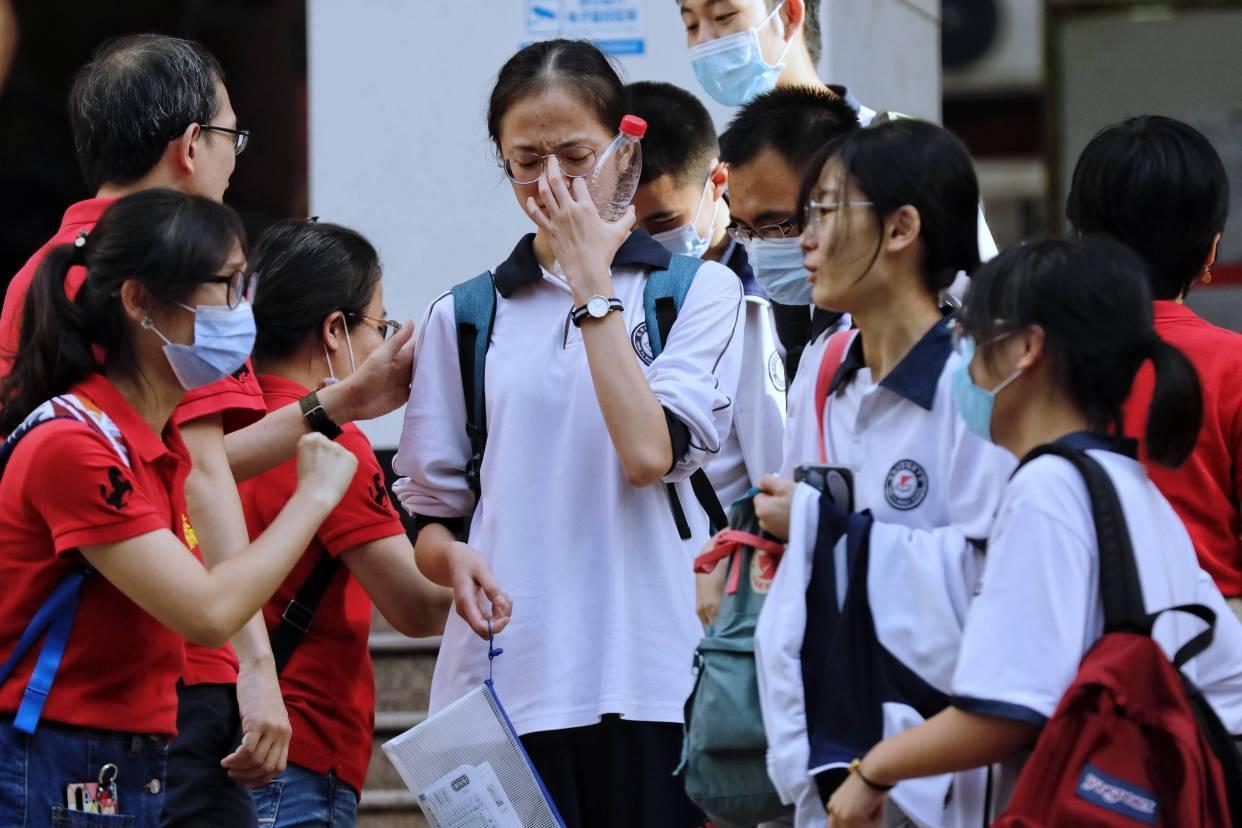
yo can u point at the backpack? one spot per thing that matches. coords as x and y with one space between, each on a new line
54 619
474 312
724 749
1132 742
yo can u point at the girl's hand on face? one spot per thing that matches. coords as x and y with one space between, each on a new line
582 242
772 506
856 805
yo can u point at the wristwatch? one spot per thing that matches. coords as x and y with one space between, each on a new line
597 307
317 417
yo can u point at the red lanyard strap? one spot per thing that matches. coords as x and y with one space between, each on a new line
834 356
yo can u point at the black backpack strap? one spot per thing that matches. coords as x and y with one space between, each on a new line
1120 588
704 492
298 618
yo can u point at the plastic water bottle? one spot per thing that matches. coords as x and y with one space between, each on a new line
614 180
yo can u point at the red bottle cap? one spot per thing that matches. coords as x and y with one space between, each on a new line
633 126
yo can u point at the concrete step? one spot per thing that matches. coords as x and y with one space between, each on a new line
403 668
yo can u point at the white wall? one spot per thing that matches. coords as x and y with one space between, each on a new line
398 140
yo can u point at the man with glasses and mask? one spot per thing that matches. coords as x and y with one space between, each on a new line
152 111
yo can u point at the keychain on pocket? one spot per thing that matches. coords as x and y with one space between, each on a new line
95 797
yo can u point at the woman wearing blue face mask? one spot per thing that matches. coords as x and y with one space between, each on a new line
889 218
1052 335
102 586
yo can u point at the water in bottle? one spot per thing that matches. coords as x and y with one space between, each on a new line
614 180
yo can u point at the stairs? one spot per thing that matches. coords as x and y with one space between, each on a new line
402 686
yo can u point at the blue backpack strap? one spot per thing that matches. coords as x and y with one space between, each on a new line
55 618
474 312
663 296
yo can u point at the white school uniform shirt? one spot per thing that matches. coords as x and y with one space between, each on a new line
602 585
932 487
1040 610
754 445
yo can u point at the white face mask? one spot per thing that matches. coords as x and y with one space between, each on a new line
685 240
349 345
778 268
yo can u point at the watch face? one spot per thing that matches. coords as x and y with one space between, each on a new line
597 306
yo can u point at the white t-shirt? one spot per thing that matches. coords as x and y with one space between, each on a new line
1040 609
602 585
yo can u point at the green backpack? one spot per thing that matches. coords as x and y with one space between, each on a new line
724 754
474 312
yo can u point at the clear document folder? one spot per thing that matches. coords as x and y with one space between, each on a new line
468 769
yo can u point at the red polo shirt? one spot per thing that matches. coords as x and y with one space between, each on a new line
328 684
67 487
1206 491
238 398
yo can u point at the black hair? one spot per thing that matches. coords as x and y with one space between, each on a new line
167 241
137 94
906 161
1091 299
1157 185
303 271
794 121
681 138
578 65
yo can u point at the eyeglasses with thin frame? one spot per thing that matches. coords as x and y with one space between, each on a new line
241 137
788 228
526 167
386 327
1000 330
817 211
240 286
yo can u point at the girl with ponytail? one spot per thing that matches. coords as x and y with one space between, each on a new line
1050 338
101 584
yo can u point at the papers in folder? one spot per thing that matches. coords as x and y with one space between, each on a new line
468 768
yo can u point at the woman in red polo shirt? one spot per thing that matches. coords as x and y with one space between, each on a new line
1158 185
161 312
319 308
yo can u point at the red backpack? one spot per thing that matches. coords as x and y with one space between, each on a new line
1132 742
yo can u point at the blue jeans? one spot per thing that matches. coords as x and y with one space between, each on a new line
35 770
302 797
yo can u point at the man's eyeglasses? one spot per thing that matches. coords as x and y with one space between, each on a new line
526 167
386 327
241 137
784 230
817 211
241 286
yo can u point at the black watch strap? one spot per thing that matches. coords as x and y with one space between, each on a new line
317 417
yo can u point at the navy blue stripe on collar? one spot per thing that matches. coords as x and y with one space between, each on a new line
918 373
735 259
522 268
1094 440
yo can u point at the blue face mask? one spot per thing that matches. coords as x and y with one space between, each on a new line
974 403
223 339
778 268
685 240
732 69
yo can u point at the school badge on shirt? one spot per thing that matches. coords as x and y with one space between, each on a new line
906 485
641 341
